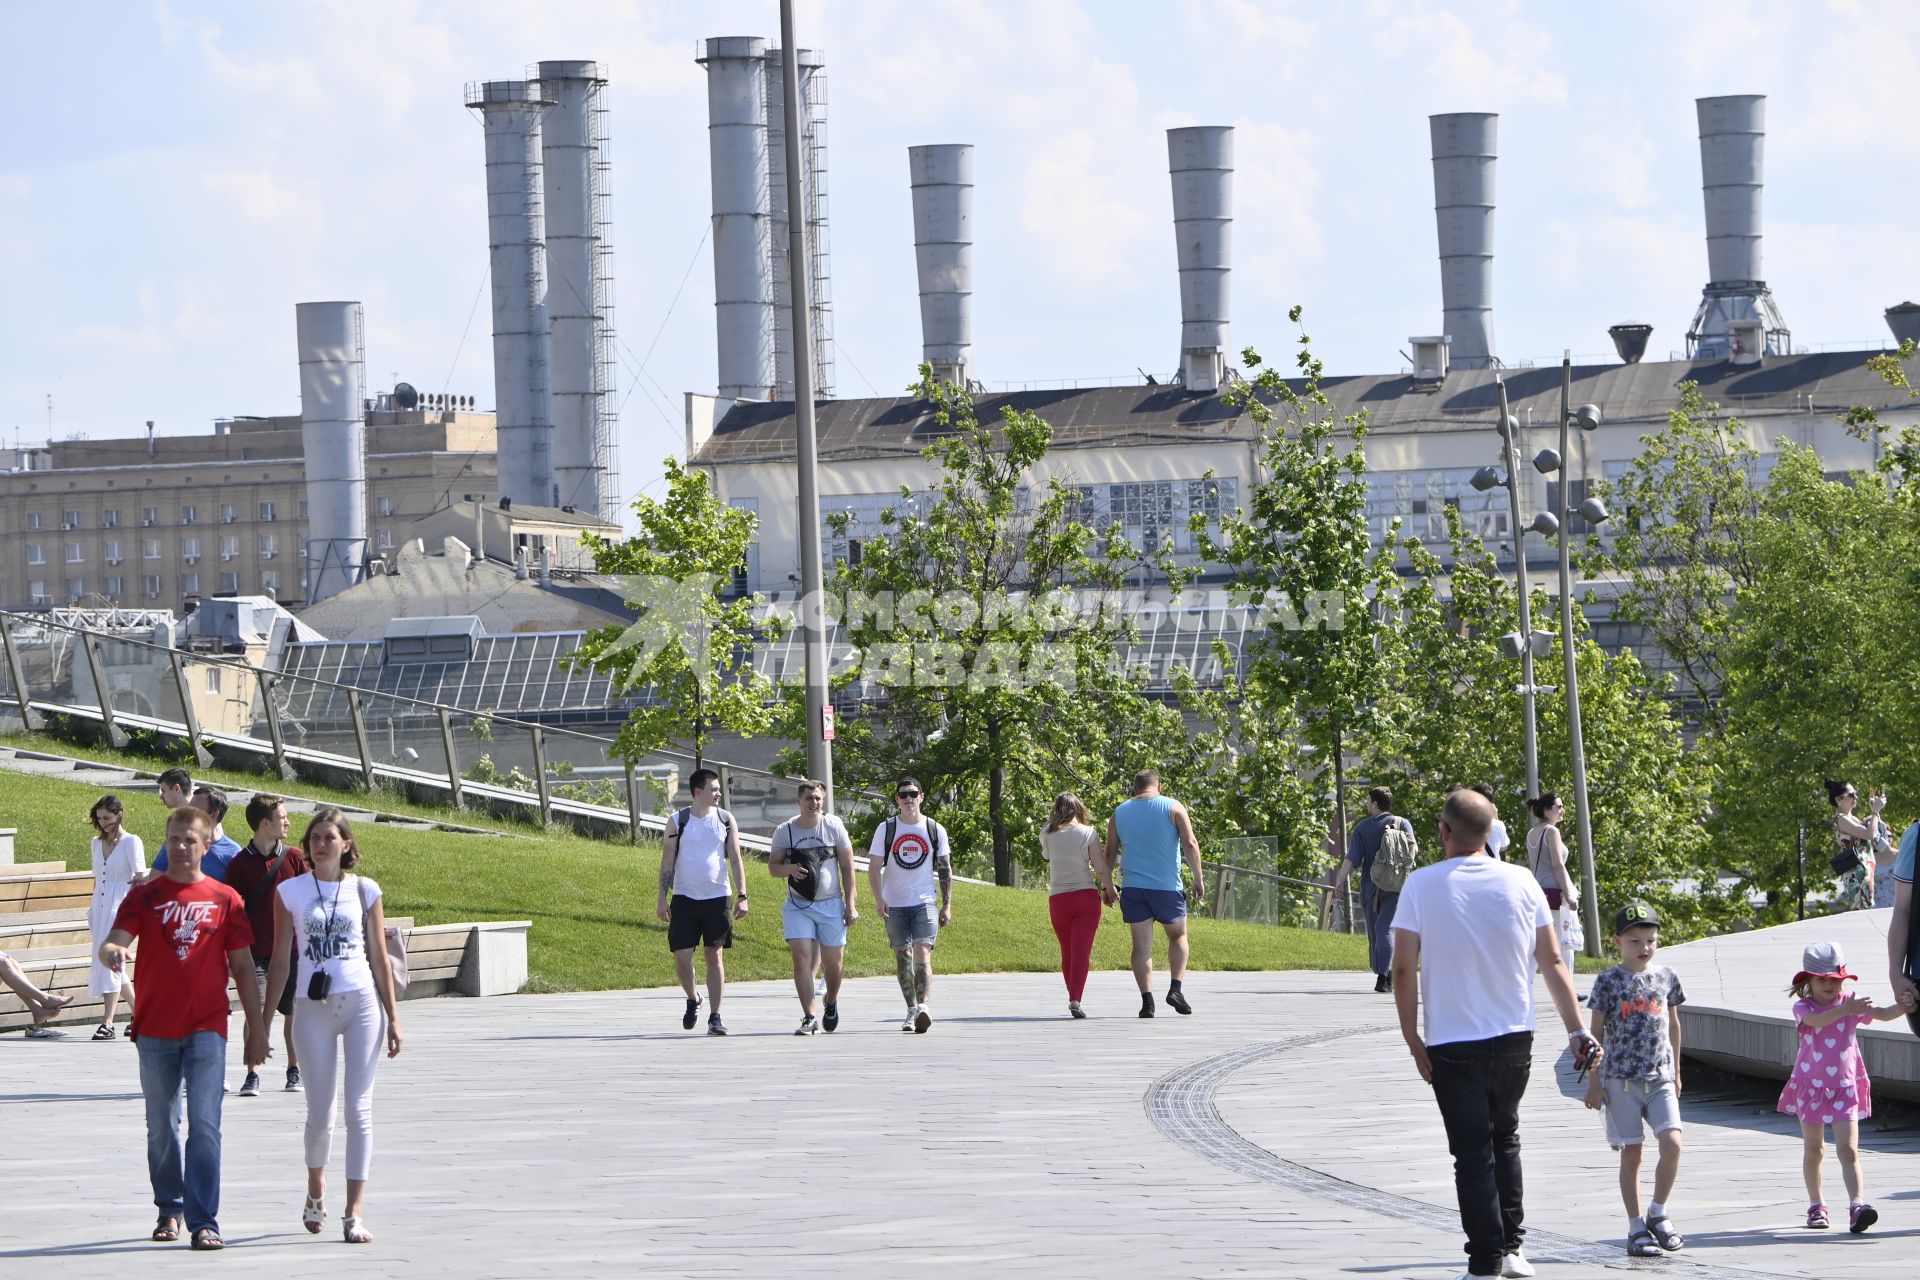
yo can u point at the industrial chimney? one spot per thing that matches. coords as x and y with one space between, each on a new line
1630 340
579 287
942 179
1737 319
1904 320
516 235
1200 159
1465 146
813 150
742 275
331 339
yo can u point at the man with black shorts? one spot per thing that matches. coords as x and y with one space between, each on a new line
254 874
696 899
1145 837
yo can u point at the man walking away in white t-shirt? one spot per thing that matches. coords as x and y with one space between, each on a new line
813 855
908 854
1475 928
696 900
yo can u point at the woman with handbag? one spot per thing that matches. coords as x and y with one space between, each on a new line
1853 859
330 927
1547 855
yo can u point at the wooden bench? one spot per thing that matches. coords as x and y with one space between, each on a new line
46 892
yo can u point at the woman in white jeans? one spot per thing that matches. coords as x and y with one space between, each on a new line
330 939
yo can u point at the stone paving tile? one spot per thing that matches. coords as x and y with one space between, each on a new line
587 1135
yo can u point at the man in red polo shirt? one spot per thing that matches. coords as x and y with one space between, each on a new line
193 936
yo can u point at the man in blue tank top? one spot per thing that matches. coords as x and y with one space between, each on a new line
1145 837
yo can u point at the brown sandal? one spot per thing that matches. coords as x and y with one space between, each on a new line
167 1229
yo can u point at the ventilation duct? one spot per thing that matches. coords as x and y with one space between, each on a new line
332 345
1200 160
1737 319
742 277
516 238
1630 340
942 181
1465 147
1904 320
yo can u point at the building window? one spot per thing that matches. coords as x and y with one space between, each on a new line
189 514
213 678
266 513
303 508
227 513
149 517
384 506
35 520
149 548
36 554
116 587
270 582
189 584
113 551
110 518
76 587
229 546
76 554
153 586
385 541
230 583
70 520
37 591
190 550
269 546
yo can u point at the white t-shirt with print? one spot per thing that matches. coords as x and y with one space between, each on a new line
329 929
700 863
1478 921
824 840
908 879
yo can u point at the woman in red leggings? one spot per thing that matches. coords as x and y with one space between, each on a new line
1080 881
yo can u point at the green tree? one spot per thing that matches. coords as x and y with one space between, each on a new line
691 647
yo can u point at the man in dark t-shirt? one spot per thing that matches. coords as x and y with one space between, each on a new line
1363 845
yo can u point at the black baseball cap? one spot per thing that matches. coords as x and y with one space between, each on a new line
1639 911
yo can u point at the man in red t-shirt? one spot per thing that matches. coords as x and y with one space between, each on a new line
193 936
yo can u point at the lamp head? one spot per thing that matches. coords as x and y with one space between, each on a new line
1587 417
1508 426
1547 461
1594 511
1546 524
1486 478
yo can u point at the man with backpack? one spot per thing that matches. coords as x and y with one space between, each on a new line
254 874
699 904
812 853
908 853
1383 850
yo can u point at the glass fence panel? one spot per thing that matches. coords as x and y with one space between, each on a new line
402 735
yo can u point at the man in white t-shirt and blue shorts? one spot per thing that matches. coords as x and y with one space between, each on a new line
908 854
813 854
697 900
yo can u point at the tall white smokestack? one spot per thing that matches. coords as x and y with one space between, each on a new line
516 235
942 178
1200 158
577 292
742 275
813 150
1465 145
1737 319
332 343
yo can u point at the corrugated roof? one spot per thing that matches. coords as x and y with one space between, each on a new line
1106 417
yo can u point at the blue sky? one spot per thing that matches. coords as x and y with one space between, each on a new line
177 176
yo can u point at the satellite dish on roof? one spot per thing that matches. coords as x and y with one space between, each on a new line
405 396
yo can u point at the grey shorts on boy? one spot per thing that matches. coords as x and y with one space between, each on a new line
1632 1102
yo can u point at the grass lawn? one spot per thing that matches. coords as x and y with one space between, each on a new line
592 901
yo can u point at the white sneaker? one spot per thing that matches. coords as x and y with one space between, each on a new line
1516 1264
907 1026
820 986
922 1020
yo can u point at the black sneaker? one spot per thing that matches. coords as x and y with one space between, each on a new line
250 1087
1381 985
831 1018
691 1016
293 1080
715 1027
1146 1004
1177 1001
808 1026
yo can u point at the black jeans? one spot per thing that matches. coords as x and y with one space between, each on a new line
1479 1084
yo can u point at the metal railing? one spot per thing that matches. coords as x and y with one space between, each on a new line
243 716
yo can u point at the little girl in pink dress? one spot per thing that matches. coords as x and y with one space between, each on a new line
1829 1083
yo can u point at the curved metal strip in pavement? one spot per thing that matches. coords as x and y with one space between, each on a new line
1181 1105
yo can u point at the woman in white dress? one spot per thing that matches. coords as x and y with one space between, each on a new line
119 863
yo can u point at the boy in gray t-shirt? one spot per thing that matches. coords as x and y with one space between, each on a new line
1636 1015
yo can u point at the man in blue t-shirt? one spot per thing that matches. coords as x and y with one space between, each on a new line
211 801
1147 835
1900 965
1376 905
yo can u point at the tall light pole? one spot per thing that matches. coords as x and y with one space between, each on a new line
1594 512
813 621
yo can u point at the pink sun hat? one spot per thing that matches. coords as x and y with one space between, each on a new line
1823 960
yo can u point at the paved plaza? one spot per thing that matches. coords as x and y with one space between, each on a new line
1280 1131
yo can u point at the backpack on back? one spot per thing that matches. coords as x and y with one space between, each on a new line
1399 854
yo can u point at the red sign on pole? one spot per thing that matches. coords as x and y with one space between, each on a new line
826 724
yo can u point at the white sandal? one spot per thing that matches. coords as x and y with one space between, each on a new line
355 1231
313 1214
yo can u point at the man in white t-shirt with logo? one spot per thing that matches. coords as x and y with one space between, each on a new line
697 901
907 855
1475 928
813 854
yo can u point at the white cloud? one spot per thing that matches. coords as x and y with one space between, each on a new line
1088 231
1516 62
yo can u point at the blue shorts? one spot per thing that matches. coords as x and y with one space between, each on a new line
909 925
1168 906
824 922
